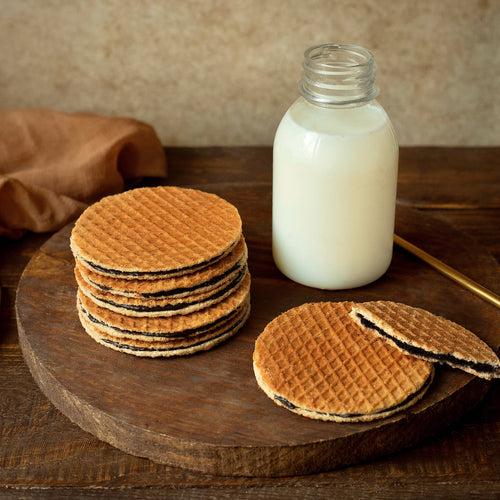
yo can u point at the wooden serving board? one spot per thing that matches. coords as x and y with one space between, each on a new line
205 412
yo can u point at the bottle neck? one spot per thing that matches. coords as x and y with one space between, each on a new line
338 75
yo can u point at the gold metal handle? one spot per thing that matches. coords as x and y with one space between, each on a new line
448 271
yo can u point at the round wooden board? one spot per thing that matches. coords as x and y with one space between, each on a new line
205 412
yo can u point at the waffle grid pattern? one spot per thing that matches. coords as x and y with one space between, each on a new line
167 301
427 331
167 352
137 287
169 295
317 358
171 324
171 343
164 311
190 236
156 229
163 336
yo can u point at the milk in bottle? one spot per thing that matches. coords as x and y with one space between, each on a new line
335 163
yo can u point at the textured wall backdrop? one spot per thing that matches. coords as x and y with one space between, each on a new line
209 72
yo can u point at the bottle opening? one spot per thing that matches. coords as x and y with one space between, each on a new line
338 75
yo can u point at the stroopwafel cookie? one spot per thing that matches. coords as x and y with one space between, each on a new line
315 361
420 333
121 333
131 306
172 325
168 348
157 232
204 280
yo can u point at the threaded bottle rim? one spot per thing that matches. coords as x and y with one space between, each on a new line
338 75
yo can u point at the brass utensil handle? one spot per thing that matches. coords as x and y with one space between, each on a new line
448 271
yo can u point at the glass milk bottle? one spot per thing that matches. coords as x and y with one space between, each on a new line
335 163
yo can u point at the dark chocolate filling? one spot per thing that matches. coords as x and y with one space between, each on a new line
184 333
181 305
285 402
431 356
412 396
167 349
138 274
175 291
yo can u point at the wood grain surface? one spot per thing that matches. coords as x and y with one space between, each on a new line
205 412
41 449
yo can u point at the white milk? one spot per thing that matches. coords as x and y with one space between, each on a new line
334 194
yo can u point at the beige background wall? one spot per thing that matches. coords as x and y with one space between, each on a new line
223 72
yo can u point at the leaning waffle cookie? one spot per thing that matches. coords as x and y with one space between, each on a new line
158 307
155 232
172 324
191 333
178 347
206 279
426 336
315 361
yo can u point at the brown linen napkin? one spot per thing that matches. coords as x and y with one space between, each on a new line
52 164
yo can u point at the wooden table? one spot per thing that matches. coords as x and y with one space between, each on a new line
42 453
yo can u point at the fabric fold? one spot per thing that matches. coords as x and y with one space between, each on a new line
53 164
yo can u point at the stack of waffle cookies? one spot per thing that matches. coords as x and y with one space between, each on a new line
161 271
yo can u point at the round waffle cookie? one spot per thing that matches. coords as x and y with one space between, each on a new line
155 232
162 336
315 361
172 325
204 280
422 334
169 348
131 306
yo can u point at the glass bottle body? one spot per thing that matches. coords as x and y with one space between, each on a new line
334 193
